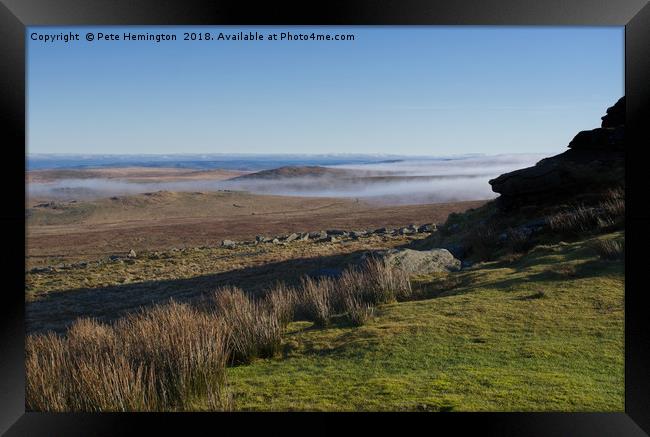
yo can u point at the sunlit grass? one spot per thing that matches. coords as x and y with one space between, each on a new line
543 333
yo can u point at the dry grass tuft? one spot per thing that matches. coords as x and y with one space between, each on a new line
152 361
385 284
282 300
610 249
608 214
255 330
316 299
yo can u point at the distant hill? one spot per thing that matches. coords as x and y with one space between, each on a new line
295 172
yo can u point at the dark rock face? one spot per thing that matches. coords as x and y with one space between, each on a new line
615 115
594 162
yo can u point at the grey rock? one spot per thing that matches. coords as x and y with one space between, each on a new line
318 235
132 254
429 227
421 261
336 232
228 244
291 237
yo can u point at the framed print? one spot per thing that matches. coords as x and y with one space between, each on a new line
364 210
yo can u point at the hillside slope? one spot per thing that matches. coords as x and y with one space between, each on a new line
543 334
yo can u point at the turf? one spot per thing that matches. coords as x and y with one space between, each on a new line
544 332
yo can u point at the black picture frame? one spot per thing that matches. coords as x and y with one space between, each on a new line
15 15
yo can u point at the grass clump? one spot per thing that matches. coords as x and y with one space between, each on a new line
316 299
355 293
255 328
282 300
580 220
351 292
155 360
610 249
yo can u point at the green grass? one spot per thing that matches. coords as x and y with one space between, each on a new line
542 333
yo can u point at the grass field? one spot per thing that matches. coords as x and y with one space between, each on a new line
543 333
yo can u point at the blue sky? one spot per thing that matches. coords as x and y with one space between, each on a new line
394 90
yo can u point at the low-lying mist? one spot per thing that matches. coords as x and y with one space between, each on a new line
399 182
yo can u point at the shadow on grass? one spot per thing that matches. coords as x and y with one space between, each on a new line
56 311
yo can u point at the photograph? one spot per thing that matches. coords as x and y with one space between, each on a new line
320 218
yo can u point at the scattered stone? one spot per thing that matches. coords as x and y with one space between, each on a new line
429 227
291 237
333 239
41 270
276 241
228 244
132 254
318 235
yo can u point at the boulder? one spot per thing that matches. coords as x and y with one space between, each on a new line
421 261
132 254
337 232
228 244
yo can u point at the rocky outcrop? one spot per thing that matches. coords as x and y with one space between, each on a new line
594 162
